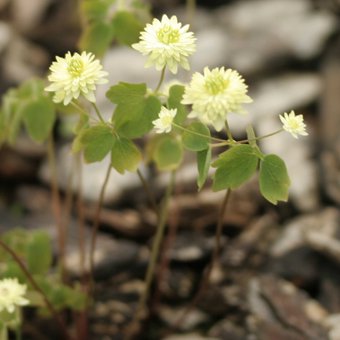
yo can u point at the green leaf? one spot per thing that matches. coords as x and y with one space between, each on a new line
197 137
97 142
126 27
39 253
234 167
135 110
39 117
125 155
96 38
274 179
167 153
11 115
96 10
203 165
175 96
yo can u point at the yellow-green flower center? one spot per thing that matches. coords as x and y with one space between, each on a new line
215 84
168 35
166 120
76 67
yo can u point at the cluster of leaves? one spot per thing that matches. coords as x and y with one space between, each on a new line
34 249
107 21
132 118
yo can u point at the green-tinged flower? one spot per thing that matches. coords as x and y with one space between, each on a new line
12 294
166 43
75 75
214 94
294 124
164 123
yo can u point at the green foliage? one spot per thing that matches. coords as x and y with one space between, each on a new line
203 165
196 137
96 38
135 110
39 253
274 179
166 151
97 142
174 102
104 23
39 117
28 104
125 155
34 249
234 167
126 27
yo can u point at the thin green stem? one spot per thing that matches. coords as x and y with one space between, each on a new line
227 128
80 215
149 193
153 259
98 113
161 79
200 134
18 333
215 145
35 286
264 136
96 221
3 332
78 107
56 205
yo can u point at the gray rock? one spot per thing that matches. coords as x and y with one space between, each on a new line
111 255
280 305
191 321
329 127
5 35
262 31
294 233
93 177
28 14
23 60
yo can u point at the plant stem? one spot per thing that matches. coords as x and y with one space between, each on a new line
3 332
161 79
80 215
98 113
149 193
18 333
56 206
96 222
35 286
153 259
78 107
191 9
214 258
227 128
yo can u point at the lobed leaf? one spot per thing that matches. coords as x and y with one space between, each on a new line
196 137
174 101
135 110
97 141
274 179
234 167
125 155
39 116
126 27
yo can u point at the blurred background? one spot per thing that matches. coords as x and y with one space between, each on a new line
279 271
